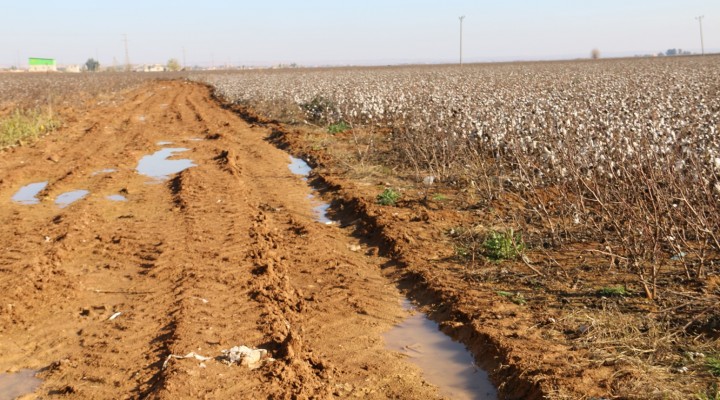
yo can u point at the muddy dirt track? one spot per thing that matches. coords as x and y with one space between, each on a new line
222 254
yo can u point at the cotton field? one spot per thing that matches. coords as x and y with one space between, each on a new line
629 149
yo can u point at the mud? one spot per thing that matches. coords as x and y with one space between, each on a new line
226 253
444 362
17 384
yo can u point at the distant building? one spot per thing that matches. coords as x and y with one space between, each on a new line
153 68
41 64
71 68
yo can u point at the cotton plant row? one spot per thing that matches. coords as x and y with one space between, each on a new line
604 113
630 147
31 90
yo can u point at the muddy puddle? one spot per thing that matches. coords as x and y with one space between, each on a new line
116 197
299 167
18 384
68 198
444 363
28 193
320 208
158 165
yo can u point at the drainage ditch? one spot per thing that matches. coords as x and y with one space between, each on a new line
444 363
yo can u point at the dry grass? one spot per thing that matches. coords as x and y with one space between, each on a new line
26 125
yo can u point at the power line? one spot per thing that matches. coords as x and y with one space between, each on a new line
461 37
702 41
127 54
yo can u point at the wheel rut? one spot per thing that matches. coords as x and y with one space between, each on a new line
222 254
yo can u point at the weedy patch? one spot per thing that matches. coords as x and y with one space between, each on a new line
713 393
338 127
613 291
506 245
713 365
439 197
388 197
516 298
24 125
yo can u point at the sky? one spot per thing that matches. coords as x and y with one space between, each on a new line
347 32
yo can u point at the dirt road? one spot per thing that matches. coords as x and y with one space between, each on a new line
222 254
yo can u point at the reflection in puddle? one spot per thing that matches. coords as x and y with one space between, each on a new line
68 198
104 171
320 211
445 363
116 197
159 167
26 194
18 384
299 167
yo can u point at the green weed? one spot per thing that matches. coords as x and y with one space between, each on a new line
516 298
24 125
613 291
439 197
388 197
713 393
713 365
338 127
506 245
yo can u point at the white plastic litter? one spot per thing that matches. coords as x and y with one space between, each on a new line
191 354
112 317
243 355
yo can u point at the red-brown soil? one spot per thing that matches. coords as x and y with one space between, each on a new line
227 253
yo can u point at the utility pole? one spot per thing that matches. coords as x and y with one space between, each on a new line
702 42
127 54
461 33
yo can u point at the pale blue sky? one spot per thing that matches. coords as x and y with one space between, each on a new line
314 32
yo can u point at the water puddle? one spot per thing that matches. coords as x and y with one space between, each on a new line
68 198
445 363
320 211
195 139
299 167
116 197
27 194
104 171
163 143
158 166
18 384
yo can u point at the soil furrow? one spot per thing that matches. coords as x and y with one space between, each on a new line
99 294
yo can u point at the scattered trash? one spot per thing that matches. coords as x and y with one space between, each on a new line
243 355
191 354
355 247
679 256
117 314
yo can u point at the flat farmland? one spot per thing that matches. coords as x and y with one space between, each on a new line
559 220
